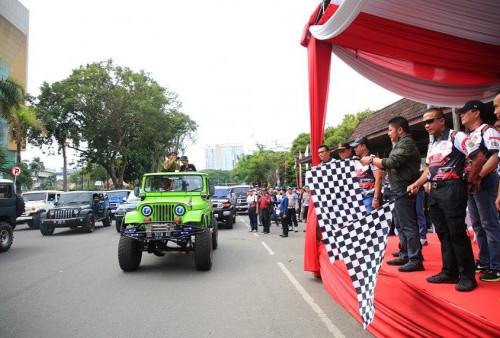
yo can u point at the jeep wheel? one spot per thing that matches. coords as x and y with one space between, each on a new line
119 223
129 253
106 222
30 224
203 250
229 222
35 224
45 230
6 236
19 206
89 224
215 234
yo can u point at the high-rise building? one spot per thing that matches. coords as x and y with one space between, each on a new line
223 156
14 29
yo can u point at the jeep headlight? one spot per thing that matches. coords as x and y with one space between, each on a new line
76 212
147 210
179 210
50 214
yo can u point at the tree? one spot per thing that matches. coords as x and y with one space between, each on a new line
219 177
21 119
36 165
11 97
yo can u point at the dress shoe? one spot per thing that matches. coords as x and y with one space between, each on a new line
283 235
465 285
411 266
398 261
442 278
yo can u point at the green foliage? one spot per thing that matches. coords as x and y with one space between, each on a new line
50 184
11 97
341 133
220 177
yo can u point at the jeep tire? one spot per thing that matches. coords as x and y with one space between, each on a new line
203 250
229 222
119 223
215 234
106 222
35 223
89 224
129 253
19 206
45 230
6 236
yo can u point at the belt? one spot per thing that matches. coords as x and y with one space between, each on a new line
436 185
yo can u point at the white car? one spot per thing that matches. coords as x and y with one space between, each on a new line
37 202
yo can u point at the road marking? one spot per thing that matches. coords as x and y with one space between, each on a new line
271 252
309 300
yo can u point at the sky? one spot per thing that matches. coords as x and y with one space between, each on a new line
237 66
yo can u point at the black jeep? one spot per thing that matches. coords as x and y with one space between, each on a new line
77 209
11 207
224 206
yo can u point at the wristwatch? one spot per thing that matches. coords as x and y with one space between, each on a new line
371 160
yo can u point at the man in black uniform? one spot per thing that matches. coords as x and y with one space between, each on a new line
448 200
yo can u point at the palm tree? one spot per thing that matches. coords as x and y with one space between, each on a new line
21 119
11 97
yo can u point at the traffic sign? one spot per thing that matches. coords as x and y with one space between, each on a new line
16 171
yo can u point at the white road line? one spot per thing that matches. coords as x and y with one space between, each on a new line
271 252
309 300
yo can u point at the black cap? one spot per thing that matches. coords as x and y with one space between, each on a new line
358 141
342 146
184 158
474 105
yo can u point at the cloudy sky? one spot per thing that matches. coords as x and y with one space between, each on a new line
237 66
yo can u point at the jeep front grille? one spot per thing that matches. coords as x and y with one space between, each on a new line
63 213
163 213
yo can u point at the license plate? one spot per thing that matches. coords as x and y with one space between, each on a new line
59 221
157 234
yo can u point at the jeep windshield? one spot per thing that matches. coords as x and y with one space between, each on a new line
120 194
173 183
241 191
35 196
221 193
75 198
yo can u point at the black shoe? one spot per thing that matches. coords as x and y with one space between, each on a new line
442 278
481 268
490 276
411 266
465 285
283 235
395 254
398 261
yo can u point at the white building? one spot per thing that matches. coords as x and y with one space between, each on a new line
223 156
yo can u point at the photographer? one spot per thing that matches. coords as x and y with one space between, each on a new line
171 163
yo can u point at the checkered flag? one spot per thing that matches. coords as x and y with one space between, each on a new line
333 189
358 239
362 246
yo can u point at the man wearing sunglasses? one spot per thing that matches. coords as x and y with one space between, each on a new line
448 199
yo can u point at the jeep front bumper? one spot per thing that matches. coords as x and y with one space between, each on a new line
160 232
64 222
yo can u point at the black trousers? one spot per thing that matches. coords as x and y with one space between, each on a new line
266 220
447 205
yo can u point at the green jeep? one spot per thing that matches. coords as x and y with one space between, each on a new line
174 215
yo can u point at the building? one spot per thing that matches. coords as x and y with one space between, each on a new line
14 29
223 156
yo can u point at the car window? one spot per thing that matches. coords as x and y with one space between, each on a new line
221 193
240 190
5 191
34 196
75 198
52 197
173 183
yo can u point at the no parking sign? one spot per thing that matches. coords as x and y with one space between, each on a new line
16 171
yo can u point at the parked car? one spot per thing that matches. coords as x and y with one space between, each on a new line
11 207
117 198
224 206
129 205
240 193
77 209
37 202
174 215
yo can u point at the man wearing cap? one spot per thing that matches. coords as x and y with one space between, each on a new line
171 162
484 189
448 199
287 211
186 166
403 164
343 150
370 176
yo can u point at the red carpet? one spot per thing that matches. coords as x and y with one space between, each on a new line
406 305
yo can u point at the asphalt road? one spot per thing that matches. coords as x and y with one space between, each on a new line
70 285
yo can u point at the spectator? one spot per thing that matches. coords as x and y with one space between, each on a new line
370 176
300 192
403 164
252 210
343 151
305 203
484 189
263 204
186 166
448 200
287 212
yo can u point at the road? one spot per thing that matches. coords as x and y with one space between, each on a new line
70 285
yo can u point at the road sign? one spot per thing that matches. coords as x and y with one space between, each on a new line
16 171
